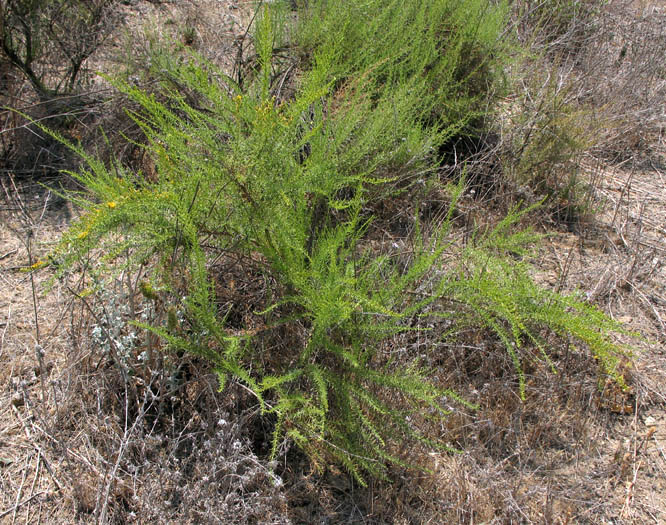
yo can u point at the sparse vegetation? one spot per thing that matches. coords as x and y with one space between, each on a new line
50 41
293 264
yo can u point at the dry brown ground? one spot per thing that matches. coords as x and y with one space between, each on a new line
609 467
619 263
70 454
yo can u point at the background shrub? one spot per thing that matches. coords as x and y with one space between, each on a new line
585 90
46 52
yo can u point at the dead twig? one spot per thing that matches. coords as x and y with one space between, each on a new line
649 304
34 482
625 188
121 449
39 450
20 504
10 252
4 332
20 490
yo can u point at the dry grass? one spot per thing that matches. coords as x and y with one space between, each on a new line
99 449
89 436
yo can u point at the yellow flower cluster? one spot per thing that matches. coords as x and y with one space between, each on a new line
268 108
39 264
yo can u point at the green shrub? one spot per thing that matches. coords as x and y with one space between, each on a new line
546 131
440 59
284 187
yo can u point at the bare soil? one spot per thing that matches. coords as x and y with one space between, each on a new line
77 447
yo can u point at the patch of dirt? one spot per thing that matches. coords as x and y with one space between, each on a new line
34 350
619 263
